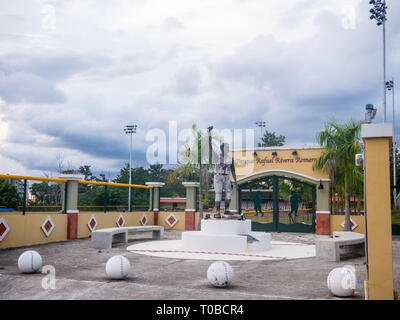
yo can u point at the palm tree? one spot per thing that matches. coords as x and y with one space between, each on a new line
194 163
341 143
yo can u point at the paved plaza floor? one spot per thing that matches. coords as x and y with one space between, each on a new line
80 274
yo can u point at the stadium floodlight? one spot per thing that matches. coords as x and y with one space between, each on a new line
390 87
379 14
261 124
130 129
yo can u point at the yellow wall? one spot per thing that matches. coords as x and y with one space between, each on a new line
180 225
336 220
109 219
196 219
246 163
26 230
380 255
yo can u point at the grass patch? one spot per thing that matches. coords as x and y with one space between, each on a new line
302 218
396 217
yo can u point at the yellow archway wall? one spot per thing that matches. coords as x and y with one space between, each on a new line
287 162
298 160
377 139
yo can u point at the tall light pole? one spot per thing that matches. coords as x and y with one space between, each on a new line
130 129
261 124
390 87
379 14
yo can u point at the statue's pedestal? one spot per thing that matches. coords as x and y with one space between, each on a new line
226 236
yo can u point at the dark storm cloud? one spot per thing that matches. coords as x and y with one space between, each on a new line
109 68
51 67
33 77
22 87
336 68
43 146
95 144
187 81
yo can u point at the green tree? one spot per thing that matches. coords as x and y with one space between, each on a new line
156 172
173 186
194 165
341 143
140 175
41 193
9 196
86 191
86 171
270 139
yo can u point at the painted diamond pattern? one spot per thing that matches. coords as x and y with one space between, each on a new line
4 229
171 220
120 221
353 224
47 226
144 220
92 223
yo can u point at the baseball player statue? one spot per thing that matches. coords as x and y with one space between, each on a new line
224 165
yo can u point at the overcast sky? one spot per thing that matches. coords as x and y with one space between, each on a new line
73 73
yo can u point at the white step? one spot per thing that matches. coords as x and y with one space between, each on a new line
200 241
225 226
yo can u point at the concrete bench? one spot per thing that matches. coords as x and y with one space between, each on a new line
158 231
104 238
347 242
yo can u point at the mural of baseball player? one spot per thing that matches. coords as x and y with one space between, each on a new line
257 199
224 165
294 206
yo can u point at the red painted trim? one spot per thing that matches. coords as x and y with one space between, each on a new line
156 218
189 220
323 225
208 252
72 226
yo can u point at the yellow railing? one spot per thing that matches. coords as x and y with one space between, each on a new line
113 184
100 183
8 176
271 211
84 206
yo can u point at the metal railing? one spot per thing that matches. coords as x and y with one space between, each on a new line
84 182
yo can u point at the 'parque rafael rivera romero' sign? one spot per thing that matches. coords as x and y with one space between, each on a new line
266 160
299 160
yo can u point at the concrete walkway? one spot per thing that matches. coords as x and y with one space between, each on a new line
80 274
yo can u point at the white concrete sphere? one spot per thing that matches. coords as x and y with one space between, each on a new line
29 262
220 274
342 281
118 267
